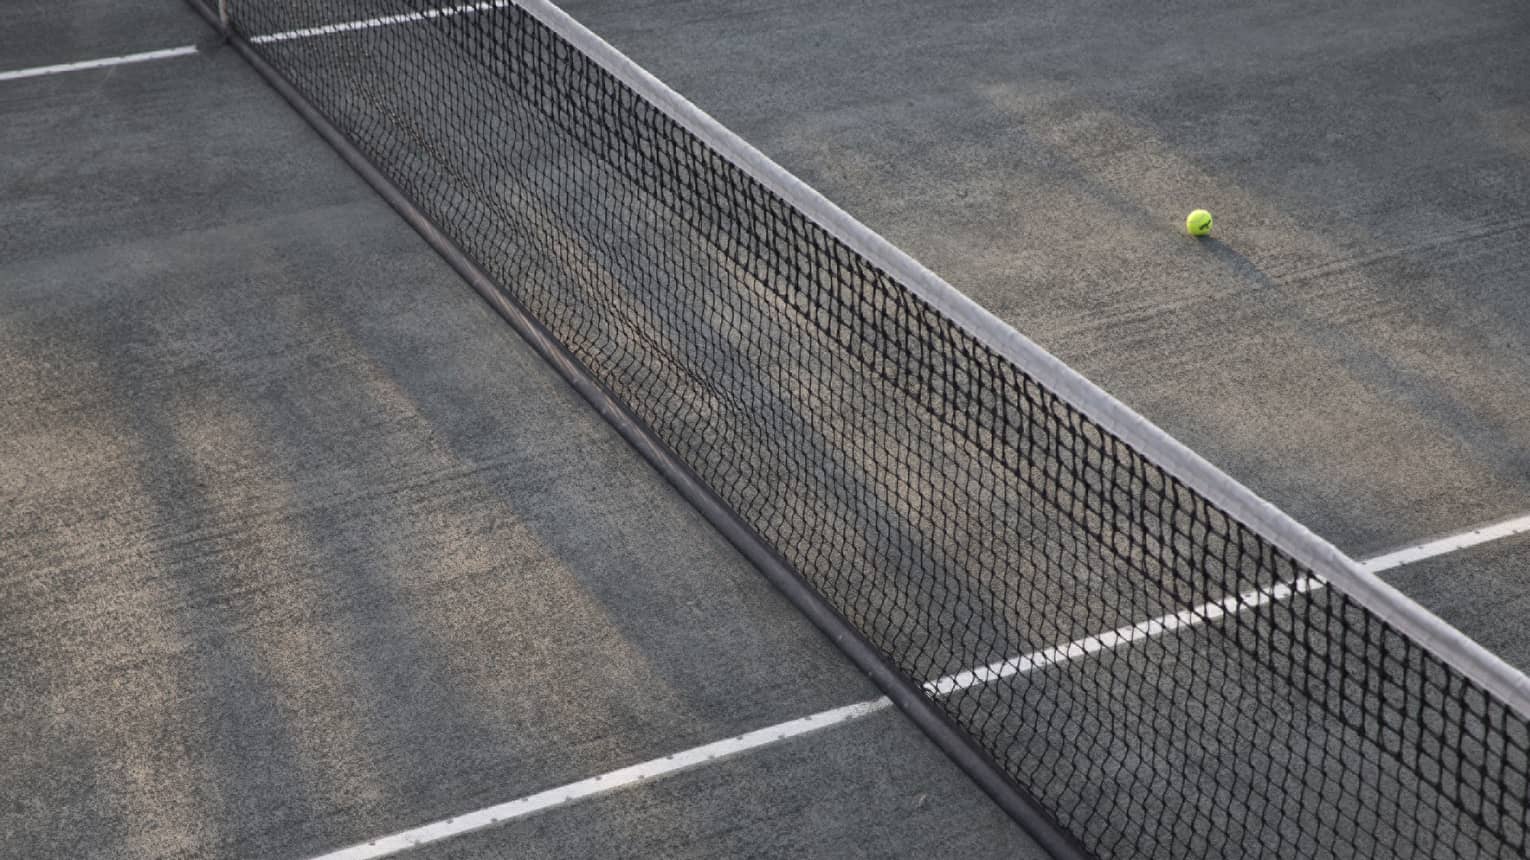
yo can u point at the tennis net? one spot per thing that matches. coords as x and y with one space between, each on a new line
1162 664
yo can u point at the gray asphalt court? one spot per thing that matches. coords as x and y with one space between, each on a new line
302 546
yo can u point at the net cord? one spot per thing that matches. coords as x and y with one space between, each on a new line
1486 669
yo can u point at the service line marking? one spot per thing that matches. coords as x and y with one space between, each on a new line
101 63
499 814
380 21
648 770
269 38
1452 543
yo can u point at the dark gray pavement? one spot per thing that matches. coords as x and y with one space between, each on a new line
1354 343
49 32
301 545
1484 591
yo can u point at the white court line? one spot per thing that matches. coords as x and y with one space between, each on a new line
1211 611
290 35
1120 636
490 816
1486 534
380 21
1214 610
104 62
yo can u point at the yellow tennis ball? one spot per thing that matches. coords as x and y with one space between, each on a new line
1198 223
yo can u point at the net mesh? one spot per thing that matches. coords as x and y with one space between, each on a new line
1163 680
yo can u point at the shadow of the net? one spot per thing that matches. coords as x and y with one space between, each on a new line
199 697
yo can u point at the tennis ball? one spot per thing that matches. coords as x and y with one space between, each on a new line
1198 223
